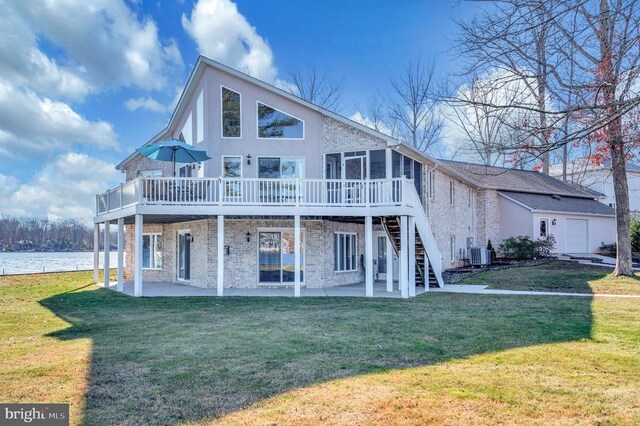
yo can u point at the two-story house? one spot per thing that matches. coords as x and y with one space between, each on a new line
293 195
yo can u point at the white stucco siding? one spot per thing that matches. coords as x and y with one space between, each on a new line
515 220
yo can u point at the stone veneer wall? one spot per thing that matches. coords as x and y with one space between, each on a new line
336 136
241 264
331 277
141 163
447 220
488 217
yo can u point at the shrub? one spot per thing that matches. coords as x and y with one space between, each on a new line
519 247
608 249
492 250
522 247
544 246
635 235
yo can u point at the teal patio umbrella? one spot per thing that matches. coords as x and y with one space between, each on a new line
175 151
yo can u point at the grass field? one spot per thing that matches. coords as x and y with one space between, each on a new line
446 358
569 277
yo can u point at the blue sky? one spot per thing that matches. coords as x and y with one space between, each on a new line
82 84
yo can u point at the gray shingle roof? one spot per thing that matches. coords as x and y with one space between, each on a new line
559 203
507 179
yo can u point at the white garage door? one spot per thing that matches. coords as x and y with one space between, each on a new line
577 236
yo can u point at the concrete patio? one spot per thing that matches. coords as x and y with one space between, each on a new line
165 289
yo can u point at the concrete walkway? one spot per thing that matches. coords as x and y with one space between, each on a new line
155 289
482 289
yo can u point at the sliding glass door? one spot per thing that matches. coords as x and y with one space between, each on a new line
184 256
276 257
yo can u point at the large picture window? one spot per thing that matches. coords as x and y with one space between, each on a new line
273 123
152 251
345 252
231 114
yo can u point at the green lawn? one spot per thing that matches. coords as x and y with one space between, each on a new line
559 276
445 358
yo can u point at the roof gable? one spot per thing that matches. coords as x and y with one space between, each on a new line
195 76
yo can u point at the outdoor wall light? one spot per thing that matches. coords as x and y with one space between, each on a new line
248 159
227 250
553 222
248 235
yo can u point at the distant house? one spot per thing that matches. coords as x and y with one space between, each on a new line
583 172
520 202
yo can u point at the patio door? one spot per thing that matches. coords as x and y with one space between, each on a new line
380 257
355 168
184 256
276 257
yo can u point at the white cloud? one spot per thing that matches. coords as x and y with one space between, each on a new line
224 35
147 103
109 45
358 117
23 63
65 188
31 124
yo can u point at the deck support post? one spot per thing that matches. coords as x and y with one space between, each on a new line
296 248
120 285
137 268
426 272
96 252
404 259
220 279
389 265
107 244
368 256
412 256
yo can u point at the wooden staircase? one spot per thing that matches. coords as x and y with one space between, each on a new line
391 225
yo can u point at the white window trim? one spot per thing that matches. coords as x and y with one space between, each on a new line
156 234
302 248
452 193
222 86
452 248
180 232
231 156
355 235
431 183
304 124
548 224
286 157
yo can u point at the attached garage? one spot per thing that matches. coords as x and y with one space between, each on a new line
577 239
578 224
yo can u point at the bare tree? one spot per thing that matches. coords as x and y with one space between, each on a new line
598 40
316 87
376 113
487 131
413 110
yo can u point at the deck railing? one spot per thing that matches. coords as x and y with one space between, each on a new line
252 192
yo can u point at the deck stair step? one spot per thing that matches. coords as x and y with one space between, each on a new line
391 225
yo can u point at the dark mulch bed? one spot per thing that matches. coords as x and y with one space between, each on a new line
455 275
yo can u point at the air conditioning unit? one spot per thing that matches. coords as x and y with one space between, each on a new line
479 256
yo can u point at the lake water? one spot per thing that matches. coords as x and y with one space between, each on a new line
28 262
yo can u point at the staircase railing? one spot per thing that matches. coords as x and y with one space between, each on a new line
412 199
